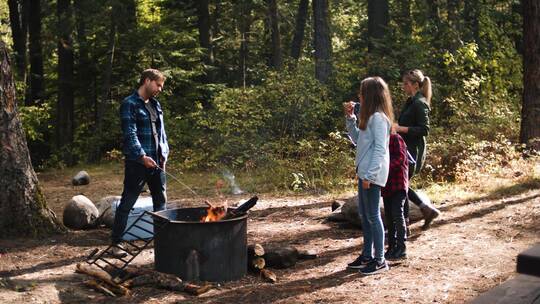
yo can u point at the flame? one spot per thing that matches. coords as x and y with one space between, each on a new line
214 213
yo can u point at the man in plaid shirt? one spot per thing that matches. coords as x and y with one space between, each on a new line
394 194
145 150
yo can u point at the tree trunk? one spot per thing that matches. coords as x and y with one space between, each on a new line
323 44
434 13
85 67
452 8
65 110
471 14
277 56
106 88
23 210
245 20
404 19
18 13
205 33
205 41
530 112
301 17
36 53
377 22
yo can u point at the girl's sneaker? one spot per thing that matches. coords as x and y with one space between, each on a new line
360 262
374 267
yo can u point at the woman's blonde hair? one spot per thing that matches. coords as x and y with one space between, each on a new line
424 83
376 96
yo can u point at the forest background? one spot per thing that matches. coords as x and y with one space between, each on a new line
257 86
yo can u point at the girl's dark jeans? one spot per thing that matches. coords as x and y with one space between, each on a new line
395 219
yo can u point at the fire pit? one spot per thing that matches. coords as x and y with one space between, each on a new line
195 250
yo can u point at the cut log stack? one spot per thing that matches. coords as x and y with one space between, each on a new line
260 258
102 281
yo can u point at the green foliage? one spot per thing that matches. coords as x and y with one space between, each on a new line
284 123
245 124
458 156
35 121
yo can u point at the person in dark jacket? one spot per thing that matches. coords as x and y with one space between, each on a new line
145 150
413 126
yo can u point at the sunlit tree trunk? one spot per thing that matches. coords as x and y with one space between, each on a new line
323 42
23 210
530 113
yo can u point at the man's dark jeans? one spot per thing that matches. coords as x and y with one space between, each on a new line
395 220
135 176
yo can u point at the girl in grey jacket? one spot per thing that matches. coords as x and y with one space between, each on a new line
371 135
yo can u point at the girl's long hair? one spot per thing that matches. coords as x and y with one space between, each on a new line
376 96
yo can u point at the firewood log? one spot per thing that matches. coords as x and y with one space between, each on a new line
196 289
256 264
255 250
102 275
268 275
307 254
95 285
127 273
282 257
166 281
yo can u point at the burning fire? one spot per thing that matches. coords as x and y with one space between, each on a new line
214 213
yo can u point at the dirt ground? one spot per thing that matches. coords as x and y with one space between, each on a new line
471 248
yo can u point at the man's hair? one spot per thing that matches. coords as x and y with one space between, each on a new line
151 74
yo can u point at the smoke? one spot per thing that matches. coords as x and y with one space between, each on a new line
231 179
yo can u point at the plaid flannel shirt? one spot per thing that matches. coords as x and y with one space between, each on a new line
137 129
398 174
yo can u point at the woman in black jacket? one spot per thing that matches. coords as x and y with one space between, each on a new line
413 126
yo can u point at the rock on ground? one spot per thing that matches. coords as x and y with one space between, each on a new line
349 212
80 213
81 178
106 211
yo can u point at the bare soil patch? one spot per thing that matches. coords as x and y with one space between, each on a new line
471 248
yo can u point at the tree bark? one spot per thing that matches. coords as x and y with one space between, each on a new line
65 107
36 54
18 13
323 43
298 38
277 56
530 112
23 210
377 22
